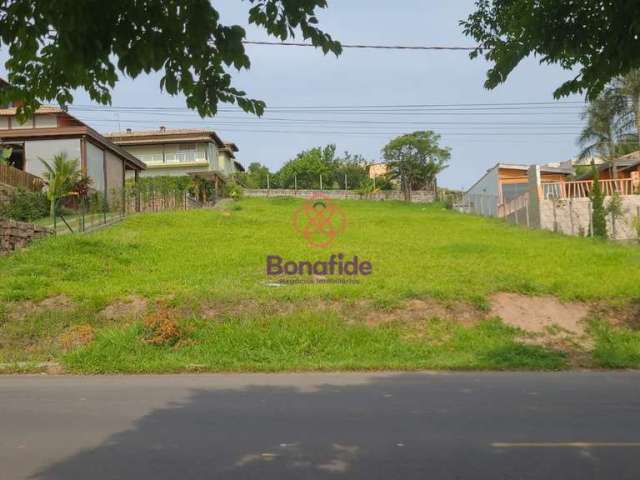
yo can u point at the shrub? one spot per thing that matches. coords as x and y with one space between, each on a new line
599 213
26 206
233 190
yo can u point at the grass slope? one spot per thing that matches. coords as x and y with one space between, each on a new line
416 251
219 256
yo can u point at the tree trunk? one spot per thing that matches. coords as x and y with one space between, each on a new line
407 189
52 210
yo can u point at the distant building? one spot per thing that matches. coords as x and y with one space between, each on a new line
504 182
52 131
227 161
179 151
377 169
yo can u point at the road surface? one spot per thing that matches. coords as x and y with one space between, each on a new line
576 425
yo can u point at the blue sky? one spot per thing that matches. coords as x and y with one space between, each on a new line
300 77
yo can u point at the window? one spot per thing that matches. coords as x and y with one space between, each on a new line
186 153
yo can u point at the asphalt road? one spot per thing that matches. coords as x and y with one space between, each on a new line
369 426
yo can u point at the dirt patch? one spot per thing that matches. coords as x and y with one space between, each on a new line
130 307
417 310
626 315
59 302
76 336
24 309
540 314
218 310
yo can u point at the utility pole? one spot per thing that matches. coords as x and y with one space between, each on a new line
346 186
320 181
268 185
295 182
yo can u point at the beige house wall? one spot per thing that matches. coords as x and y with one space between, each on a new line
174 159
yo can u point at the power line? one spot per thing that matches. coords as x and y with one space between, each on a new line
363 46
348 123
398 107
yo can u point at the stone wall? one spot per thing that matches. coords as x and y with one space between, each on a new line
420 196
14 235
5 193
572 216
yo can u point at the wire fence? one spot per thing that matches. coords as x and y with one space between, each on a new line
74 213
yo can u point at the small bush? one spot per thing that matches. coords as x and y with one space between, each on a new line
233 190
161 328
26 206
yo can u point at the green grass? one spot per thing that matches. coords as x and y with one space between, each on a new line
219 256
415 250
616 347
312 342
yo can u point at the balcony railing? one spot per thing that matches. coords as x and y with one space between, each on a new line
17 178
582 188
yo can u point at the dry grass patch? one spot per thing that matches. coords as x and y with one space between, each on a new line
130 307
76 336
161 327
23 309
417 310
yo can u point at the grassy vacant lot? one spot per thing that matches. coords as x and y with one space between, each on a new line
188 290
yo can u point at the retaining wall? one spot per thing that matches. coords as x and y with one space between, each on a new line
572 216
14 235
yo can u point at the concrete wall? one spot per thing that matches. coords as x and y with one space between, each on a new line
420 196
573 217
47 149
14 235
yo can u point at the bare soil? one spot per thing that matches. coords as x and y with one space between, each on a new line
130 307
540 314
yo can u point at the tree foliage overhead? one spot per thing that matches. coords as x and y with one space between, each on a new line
599 38
56 47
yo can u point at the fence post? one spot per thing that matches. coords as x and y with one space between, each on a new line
573 230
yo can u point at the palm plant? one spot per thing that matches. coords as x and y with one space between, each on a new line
628 87
603 135
61 176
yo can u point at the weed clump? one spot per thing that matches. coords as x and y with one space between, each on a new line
161 328
76 336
